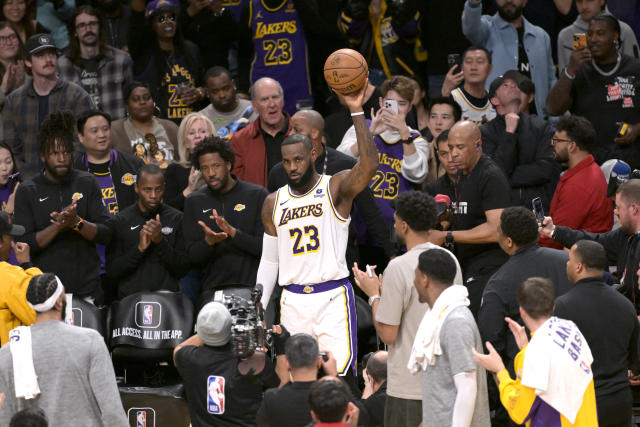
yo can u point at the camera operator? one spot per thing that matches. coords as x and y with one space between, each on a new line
288 405
221 387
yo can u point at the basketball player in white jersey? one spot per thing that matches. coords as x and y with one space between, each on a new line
306 227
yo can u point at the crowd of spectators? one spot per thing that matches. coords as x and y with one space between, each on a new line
139 141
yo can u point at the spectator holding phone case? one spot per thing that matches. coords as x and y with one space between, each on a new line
404 153
580 27
603 85
466 82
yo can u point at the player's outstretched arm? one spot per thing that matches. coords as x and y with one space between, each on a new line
346 185
268 268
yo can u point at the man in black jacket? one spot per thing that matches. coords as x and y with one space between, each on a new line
609 324
222 223
59 208
519 143
517 236
289 405
621 244
146 252
115 171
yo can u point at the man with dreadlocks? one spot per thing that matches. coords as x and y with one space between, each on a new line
59 209
63 369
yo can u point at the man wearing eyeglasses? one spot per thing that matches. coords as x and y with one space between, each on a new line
26 108
580 201
101 70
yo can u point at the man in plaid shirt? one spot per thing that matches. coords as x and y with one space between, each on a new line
27 107
99 69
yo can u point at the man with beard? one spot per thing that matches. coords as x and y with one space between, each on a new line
222 224
397 312
330 161
146 252
65 370
621 244
27 107
59 209
227 112
306 228
101 70
582 185
514 43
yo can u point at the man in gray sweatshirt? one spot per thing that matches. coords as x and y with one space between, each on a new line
587 9
75 377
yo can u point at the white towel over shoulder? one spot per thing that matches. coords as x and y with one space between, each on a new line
426 345
24 374
557 364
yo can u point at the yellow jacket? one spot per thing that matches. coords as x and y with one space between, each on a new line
522 403
14 309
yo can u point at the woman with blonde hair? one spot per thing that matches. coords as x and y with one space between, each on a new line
182 178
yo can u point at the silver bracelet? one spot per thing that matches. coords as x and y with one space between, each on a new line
569 76
359 113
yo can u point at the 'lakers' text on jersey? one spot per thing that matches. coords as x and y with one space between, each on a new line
280 51
312 236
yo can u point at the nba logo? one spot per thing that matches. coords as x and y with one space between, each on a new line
215 395
148 314
141 419
147 317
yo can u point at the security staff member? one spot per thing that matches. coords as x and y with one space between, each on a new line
146 252
622 244
59 209
222 221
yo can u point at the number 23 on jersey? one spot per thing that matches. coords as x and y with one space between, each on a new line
305 240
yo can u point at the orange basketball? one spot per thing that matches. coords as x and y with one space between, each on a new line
346 71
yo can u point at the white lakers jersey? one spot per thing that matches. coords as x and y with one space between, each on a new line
312 236
470 111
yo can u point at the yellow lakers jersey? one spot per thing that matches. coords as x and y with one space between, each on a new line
312 236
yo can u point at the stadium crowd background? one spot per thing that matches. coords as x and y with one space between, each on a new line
140 139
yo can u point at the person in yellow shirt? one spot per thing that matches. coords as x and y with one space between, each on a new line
554 386
14 280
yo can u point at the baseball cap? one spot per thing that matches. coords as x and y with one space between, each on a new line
442 203
158 5
616 172
513 75
7 228
214 324
39 42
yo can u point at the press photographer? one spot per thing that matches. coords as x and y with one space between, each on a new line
224 369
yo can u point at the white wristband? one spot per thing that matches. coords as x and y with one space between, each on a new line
373 298
359 113
569 76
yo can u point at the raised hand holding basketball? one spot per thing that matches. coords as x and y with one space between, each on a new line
355 100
